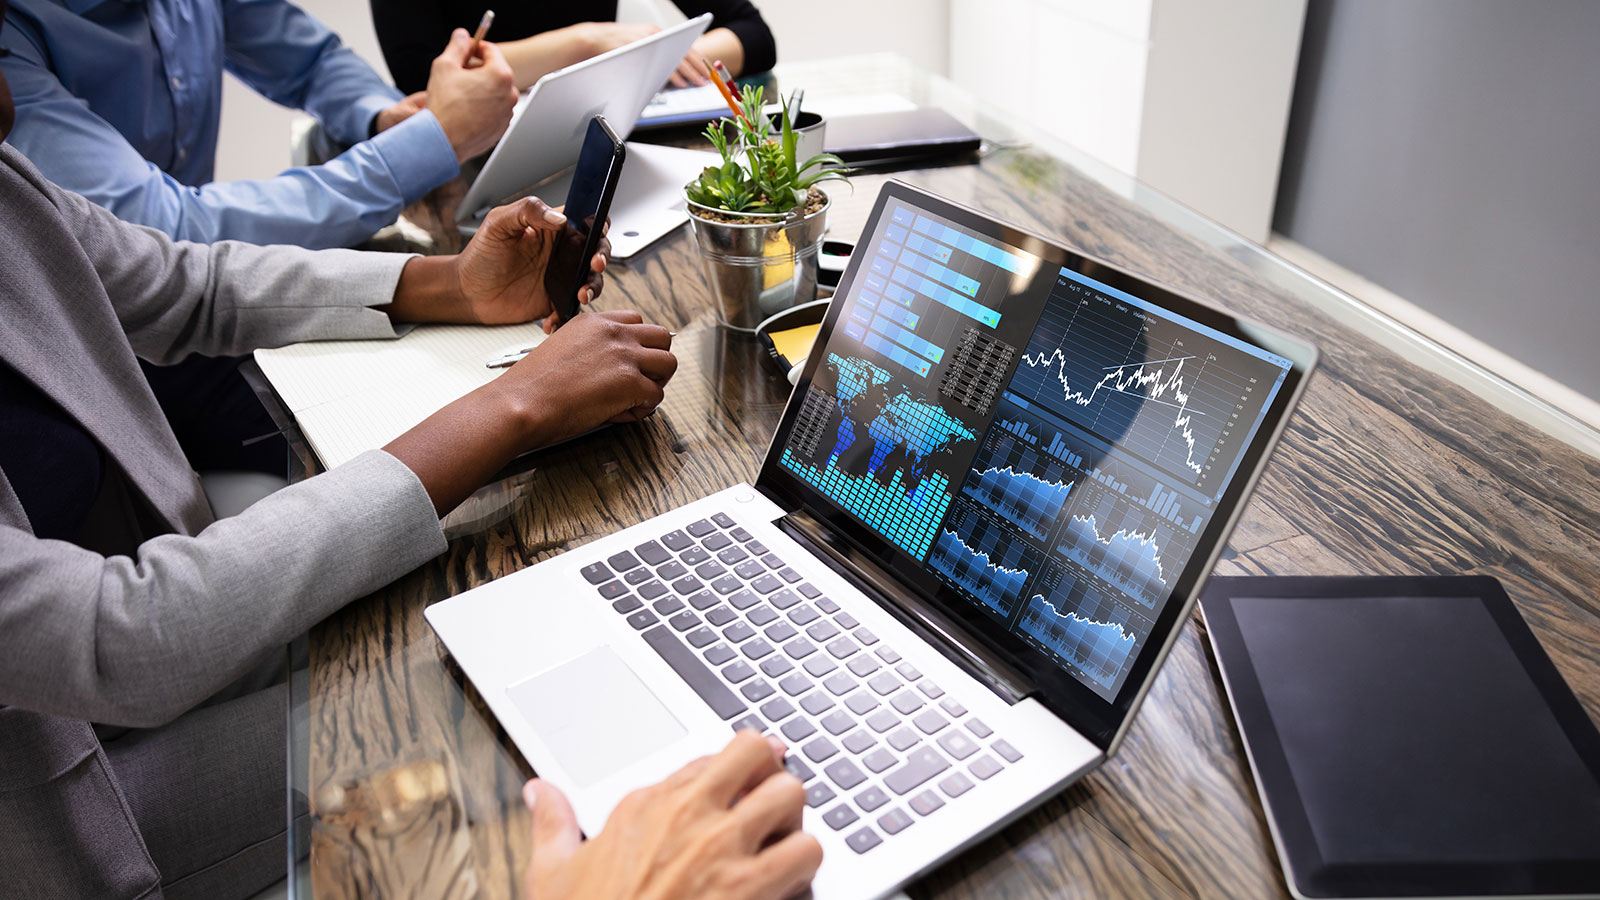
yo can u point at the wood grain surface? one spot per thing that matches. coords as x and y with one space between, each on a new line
1387 468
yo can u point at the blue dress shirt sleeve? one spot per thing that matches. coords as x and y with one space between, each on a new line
337 204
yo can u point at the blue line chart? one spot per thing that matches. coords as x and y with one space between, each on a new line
981 558
1074 620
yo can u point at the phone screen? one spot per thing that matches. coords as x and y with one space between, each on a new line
588 202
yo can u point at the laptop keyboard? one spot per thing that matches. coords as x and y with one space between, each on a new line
870 736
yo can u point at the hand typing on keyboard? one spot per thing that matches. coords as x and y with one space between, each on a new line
724 827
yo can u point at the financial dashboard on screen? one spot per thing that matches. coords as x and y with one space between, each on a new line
1048 446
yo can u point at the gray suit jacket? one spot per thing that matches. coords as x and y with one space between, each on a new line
137 641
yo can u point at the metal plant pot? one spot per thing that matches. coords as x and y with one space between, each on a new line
762 268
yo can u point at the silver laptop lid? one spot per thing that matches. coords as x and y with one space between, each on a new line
546 131
1048 451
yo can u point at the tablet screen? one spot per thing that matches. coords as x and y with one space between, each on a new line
1414 733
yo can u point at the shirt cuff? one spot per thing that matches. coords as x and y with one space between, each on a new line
365 112
418 155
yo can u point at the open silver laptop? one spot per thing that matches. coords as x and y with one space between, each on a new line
547 129
986 513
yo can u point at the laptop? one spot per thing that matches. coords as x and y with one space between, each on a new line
547 130
986 512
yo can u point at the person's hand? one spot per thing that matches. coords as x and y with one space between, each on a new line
501 272
400 112
474 103
602 37
691 71
602 367
725 827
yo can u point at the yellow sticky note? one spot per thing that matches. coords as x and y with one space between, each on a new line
794 344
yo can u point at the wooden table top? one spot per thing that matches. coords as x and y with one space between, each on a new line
1388 467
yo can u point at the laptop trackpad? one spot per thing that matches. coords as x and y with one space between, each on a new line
595 715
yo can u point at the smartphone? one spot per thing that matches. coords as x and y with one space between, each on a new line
594 182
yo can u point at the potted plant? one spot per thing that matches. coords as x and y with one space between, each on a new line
759 216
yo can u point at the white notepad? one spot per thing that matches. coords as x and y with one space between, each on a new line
354 396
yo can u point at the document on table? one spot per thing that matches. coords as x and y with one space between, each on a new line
354 396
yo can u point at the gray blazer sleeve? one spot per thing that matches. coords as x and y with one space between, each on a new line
136 642
175 298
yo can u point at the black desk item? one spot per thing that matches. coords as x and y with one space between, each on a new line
913 134
1409 737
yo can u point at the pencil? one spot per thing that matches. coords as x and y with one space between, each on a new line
483 29
726 94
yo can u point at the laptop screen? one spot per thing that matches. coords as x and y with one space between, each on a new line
1047 447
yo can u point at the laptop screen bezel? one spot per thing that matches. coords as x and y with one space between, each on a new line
1093 716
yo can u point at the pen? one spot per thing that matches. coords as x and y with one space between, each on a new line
483 29
722 87
508 360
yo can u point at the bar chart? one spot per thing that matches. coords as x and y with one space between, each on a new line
1026 470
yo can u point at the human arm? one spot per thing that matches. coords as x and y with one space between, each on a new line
725 827
738 38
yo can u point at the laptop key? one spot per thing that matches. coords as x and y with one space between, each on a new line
743 600
766 584
883 684
828 606
716 542
638 575
819 748
842 648
613 589
872 798
710 569
644 618
684 621
758 548
666 606
795 685
816 702
933 691
840 816
800 615
929 721
723 519
863 840
775 665
757 690
894 821
903 737
701 528
784 599
689 585
799 648
865 636
719 654
721 616
908 671
732 556
859 740
701 637
846 621
879 760
652 553
797 767
781 632
837 722
811 592
702 600
727 584
651 590
702 680
777 709
888 655
1009 753
952 707
906 702
956 743
751 722
772 561
977 727
844 773
926 802
738 631
788 574
820 665
839 684
882 720
595 573
818 794
740 535
861 702
627 604
985 767
822 631
676 541
694 556
623 561
672 571
956 785
798 728
738 671
757 648
761 615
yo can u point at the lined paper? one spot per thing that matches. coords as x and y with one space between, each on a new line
354 396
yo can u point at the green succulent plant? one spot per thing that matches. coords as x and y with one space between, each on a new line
759 173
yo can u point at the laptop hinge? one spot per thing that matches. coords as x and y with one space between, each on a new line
956 641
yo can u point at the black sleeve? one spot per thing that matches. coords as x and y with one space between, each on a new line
743 19
413 32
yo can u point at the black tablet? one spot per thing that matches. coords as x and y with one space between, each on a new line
1409 737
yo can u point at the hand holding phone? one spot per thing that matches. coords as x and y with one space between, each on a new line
594 182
